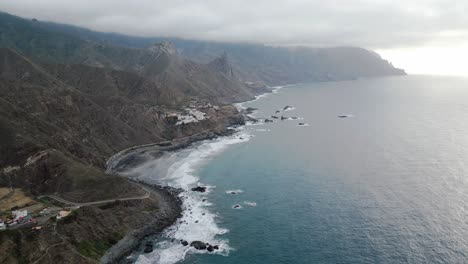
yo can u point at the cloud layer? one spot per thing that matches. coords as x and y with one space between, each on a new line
376 24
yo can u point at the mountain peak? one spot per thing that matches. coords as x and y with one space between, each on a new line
167 47
222 64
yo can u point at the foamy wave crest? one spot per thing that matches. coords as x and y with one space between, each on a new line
277 88
197 222
241 106
289 109
234 191
250 203
294 118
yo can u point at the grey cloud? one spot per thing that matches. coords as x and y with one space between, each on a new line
367 23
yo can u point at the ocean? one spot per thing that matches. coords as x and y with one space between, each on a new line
387 182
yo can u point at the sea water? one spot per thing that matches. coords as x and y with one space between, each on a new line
385 183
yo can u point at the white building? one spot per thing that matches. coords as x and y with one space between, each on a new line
19 214
63 214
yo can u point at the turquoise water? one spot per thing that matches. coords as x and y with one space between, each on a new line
387 185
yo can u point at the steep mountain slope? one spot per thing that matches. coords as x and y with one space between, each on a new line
178 80
273 65
47 119
88 112
253 62
59 124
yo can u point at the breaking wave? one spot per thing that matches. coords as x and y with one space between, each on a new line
197 222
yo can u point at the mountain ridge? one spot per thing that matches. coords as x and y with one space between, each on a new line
255 62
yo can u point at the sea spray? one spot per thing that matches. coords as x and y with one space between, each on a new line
197 222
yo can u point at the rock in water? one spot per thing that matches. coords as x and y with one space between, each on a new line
198 245
148 247
250 110
199 189
184 243
210 248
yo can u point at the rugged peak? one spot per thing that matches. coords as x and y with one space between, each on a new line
222 65
167 47
224 56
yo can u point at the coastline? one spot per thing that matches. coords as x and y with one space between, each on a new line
170 208
132 157
171 205
124 161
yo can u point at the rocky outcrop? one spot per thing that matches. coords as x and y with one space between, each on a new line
148 247
198 245
201 189
223 66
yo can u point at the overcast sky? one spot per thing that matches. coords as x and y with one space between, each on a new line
407 32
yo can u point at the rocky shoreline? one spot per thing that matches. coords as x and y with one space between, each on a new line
170 210
134 156
170 203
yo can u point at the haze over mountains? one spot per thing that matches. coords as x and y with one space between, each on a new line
274 65
70 98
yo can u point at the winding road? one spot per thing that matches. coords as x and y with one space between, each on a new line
61 200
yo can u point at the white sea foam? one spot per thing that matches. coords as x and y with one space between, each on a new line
289 109
293 119
234 191
195 205
197 222
275 89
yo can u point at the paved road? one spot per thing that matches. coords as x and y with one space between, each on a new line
61 200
